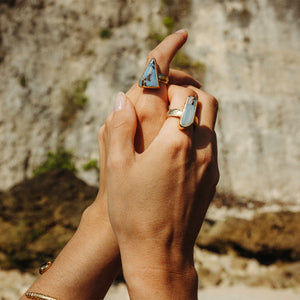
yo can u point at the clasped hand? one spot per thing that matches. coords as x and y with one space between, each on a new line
159 183
156 183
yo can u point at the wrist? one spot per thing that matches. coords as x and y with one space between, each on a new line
163 274
95 215
88 264
158 283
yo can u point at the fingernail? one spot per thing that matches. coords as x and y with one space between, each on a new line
120 101
180 31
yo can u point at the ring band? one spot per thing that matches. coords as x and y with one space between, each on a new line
187 116
151 77
163 78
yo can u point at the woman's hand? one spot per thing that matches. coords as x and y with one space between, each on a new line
157 199
151 105
90 261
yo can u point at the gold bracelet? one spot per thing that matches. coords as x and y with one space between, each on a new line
38 296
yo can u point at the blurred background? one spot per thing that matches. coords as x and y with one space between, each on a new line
61 65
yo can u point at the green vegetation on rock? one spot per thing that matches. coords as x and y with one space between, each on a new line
23 81
168 22
38 216
105 33
177 9
73 100
76 95
155 37
183 61
89 52
167 2
79 97
61 160
91 165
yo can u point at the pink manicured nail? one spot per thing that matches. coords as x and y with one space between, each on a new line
181 31
120 101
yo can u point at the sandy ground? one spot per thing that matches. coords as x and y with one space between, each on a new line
223 293
13 284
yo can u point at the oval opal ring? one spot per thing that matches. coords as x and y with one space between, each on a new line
187 116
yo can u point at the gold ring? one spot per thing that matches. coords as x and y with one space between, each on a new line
187 116
151 77
44 267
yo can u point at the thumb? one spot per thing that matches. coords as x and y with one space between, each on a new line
122 128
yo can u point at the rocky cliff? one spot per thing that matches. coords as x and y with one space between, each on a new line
260 248
246 53
62 63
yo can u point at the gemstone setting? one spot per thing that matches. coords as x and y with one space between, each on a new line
188 113
150 76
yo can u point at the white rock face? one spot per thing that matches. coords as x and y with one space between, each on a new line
251 49
252 58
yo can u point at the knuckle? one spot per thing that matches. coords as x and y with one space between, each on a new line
112 123
178 144
191 92
142 112
149 111
120 124
209 161
213 102
108 120
206 158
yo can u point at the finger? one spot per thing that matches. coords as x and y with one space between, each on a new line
178 96
209 108
182 78
102 159
165 51
151 113
151 105
121 131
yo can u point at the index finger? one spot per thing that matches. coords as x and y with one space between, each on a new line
165 51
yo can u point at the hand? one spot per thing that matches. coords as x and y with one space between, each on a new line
151 108
157 199
151 105
90 261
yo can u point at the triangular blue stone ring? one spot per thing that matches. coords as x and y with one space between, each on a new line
151 77
188 115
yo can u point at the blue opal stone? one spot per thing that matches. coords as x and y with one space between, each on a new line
189 112
150 76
